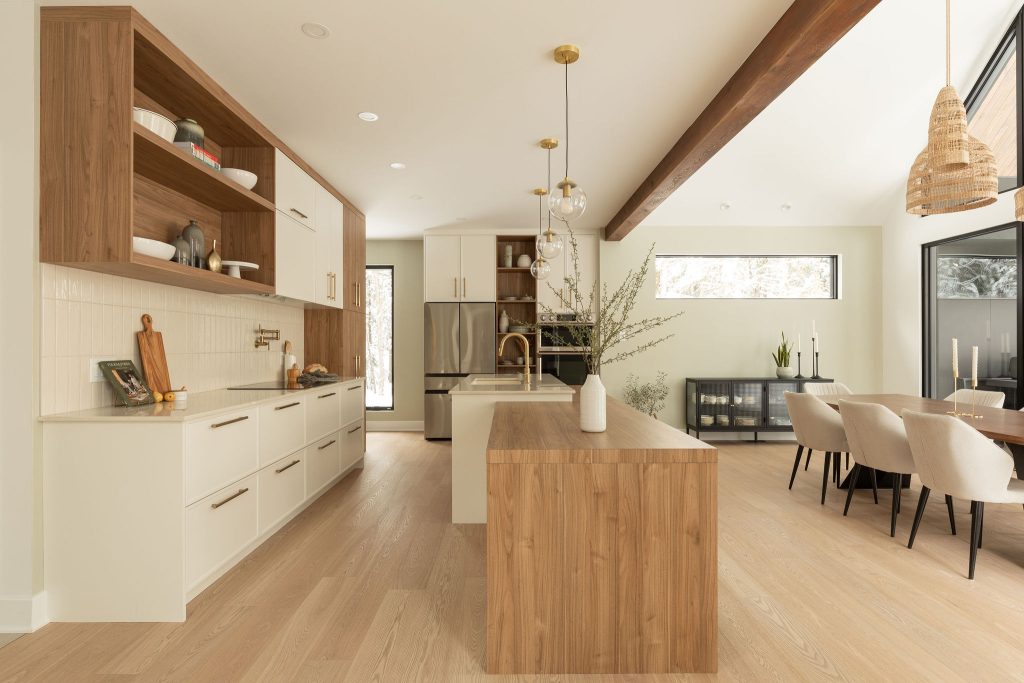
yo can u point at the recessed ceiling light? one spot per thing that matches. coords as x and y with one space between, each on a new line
313 30
415 197
397 165
786 207
725 206
368 116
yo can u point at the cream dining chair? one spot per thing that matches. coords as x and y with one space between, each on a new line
816 426
987 399
827 389
953 457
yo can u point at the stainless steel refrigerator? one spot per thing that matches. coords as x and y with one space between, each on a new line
458 340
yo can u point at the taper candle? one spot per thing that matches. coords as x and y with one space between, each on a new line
956 361
974 366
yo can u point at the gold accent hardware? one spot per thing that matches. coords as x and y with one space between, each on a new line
358 386
296 211
217 425
333 393
567 54
288 405
264 337
320 448
455 282
230 498
463 288
566 186
293 463
548 143
355 429
539 191
525 343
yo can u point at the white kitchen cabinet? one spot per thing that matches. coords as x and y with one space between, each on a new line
294 259
294 190
352 403
218 451
353 442
282 427
323 411
329 223
324 462
459 267
220 526
282 488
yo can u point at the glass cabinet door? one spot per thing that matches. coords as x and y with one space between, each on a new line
714 399
778 415
747 409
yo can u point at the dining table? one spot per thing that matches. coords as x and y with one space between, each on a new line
1000 424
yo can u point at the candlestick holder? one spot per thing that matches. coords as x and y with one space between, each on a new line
799 369
956 411
974 401
815 374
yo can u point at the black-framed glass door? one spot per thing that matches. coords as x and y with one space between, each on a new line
971 293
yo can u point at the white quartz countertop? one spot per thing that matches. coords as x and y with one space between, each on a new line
539 384
198 405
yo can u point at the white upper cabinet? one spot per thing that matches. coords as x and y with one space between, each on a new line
294 190
328 217
459 267
295 257
479 262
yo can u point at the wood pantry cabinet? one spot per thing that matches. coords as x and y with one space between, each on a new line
459 268
355 261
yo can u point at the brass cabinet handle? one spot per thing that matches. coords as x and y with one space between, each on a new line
455 282
333 393
230 498
358 386
463 288
217 425
296 211
287 405
320 448
355 429
293 463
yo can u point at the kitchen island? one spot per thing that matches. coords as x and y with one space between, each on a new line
473 401
601 548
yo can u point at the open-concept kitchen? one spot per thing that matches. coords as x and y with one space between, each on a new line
549 341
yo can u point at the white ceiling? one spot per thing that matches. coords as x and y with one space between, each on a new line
465 89
838 143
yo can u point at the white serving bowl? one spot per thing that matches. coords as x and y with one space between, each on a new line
159 124
154 248
246 179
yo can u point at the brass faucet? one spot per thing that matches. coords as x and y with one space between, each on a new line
525 343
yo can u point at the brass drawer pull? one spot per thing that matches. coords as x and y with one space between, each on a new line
230 498
287 405
320 448
355 429
293 463
333 393
217 425
299 213
358 386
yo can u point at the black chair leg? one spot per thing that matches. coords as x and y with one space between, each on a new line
895 503
874 484
837 461
824 478
981 523
853 485
949 508
976 508
847 461
899 492
919 514
808 462
796 464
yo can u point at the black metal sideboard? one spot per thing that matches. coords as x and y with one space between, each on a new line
740 404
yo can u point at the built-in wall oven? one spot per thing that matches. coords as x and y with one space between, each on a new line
564 344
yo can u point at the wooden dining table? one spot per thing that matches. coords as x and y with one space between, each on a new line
1000 424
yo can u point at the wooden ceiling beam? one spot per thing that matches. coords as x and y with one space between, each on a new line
804 33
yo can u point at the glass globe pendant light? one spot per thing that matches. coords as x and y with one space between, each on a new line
549 245
570 201
540 268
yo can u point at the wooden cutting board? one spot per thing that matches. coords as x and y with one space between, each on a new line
154 361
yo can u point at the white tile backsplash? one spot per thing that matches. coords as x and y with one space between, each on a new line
208 338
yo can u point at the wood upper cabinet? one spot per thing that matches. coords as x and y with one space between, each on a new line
353 343
459 267
355 261
328 219
295 190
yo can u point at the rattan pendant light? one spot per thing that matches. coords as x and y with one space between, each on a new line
955 172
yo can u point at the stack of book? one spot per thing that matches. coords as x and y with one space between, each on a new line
200 154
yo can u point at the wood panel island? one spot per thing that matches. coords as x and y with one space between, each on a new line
601 548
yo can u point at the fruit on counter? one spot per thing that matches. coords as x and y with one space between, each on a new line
169 396
158 397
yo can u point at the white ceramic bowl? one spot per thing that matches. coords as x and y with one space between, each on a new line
246 179
154 248
159 124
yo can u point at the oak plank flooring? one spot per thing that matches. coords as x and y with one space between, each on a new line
372 583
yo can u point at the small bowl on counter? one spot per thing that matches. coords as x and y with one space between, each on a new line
154 248
246 179
156 123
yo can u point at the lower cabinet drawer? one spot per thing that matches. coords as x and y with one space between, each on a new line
323 412
352 402
282 428
352 442
282 488
219 450
219 526
323 462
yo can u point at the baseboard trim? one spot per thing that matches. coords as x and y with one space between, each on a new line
393 425
23 614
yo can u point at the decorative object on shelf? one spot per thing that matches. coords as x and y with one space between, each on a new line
649 397
799 353
521 329
197 152
508 256
523 261
182 251
955 171
151 352
549 245
781 356
156 123
193 234
154 248
540 269
235 268
246 179
190 131
520 360
130 389
570 201
213 259
503 322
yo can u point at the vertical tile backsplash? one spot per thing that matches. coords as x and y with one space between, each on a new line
208 338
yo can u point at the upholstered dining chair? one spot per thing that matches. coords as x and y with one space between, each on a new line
878 442
953 457
817 427
988 399
827 389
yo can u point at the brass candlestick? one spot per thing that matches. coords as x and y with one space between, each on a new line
956 381
974 400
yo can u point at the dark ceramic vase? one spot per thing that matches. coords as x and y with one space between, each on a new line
189 131
193 235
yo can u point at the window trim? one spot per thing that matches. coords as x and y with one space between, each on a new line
385 409
834 294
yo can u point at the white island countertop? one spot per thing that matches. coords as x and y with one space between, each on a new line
198 405
510 384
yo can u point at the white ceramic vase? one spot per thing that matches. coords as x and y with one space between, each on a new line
503 322
593 404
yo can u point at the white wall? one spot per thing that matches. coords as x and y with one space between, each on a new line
721 337
902 237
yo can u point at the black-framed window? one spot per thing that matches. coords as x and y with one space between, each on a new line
995 106
380 337
680 276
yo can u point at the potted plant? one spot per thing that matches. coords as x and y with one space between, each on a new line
612 329
781 355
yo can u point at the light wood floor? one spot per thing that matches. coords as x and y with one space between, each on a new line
372 583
